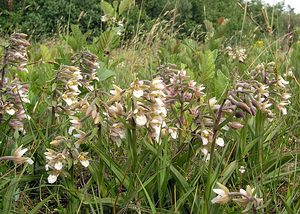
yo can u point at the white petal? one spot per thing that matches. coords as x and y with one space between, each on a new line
204 151
85 163
141 120
220 142
219 192
71 129
58 165
204 141
243 192
216 199
11 111
138 93
22 152
29 161
52 178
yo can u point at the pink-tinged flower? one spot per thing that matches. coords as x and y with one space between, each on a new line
281 106
282 82
286 96
18 156
248 196
116 110
117 94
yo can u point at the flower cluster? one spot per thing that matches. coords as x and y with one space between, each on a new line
17 95
147 109
57 161
189 99
237 53
18 158
72 81
16 52
245 198
14 93
88 64
70 77
263 90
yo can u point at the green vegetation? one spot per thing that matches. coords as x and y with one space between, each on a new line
149 107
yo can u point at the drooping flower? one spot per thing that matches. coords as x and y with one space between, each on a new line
82 157
282 82
223 195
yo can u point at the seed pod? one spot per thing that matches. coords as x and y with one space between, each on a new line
236 125
244 107
239 114
255 103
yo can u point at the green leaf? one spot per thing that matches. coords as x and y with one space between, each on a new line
46 55
107 41
207 64
228 171
124 6
221 83
152 206
107 9
104 74
37 208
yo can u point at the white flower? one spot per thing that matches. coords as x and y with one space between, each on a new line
205 136
157 84
58 166
213 103
263 89
141 120
18 156
173 133
286 96
281 106
10 111
223 195
104 18
82 157
220 142
206 157
242 169
138 93
85 163
282 82
137 87
73 85
52 178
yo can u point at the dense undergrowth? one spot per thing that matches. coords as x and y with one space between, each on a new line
150 125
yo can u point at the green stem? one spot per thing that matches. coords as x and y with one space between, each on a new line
210 182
